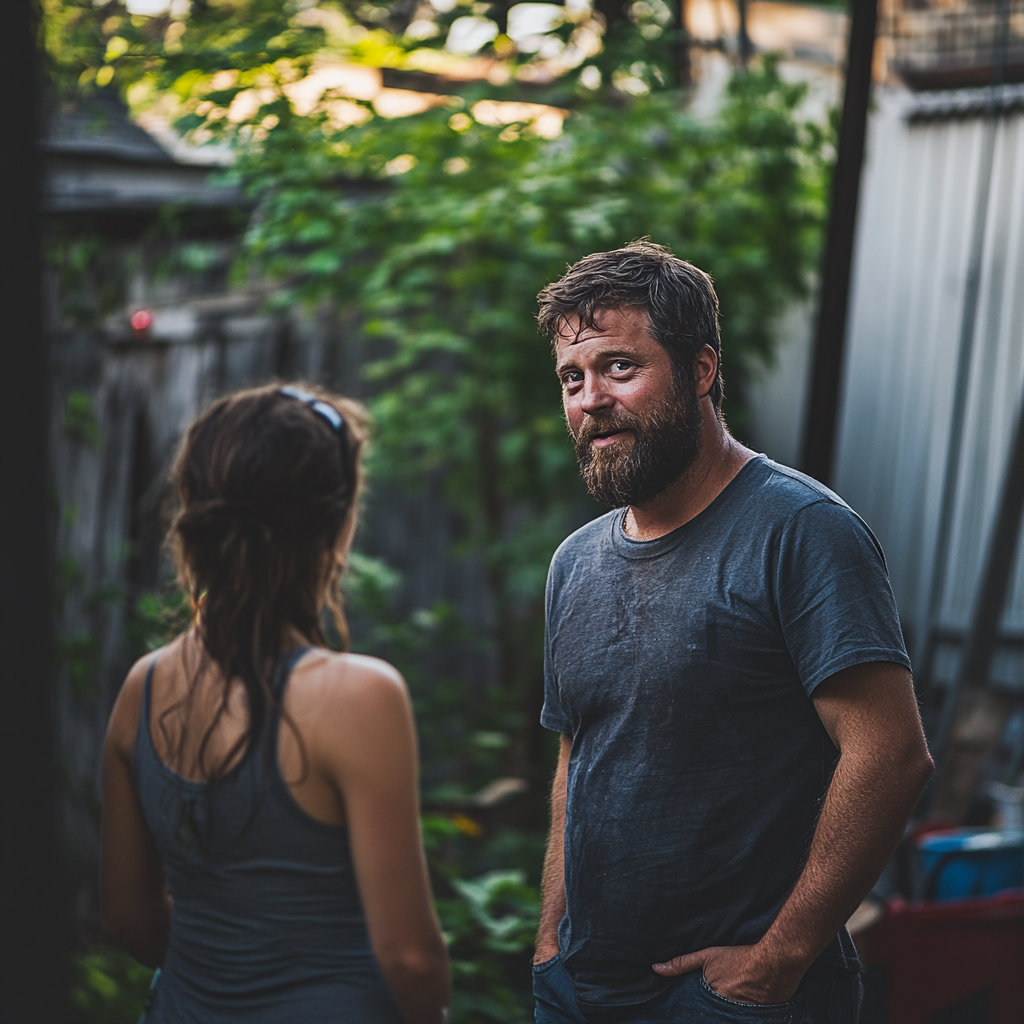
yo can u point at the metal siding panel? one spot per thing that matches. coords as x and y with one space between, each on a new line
917 212
994 397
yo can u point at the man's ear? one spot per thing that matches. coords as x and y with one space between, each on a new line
705 370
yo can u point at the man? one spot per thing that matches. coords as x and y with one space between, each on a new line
740 743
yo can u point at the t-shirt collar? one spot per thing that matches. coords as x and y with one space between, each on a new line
642 549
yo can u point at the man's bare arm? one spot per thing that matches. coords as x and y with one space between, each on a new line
552 886
871 714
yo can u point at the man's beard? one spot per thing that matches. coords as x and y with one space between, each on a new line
664 446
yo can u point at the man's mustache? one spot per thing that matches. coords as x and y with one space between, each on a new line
597 426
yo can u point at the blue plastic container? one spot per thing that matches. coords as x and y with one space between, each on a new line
966 863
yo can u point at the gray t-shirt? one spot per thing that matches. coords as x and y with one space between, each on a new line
682 668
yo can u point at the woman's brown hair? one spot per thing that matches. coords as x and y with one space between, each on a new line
265 484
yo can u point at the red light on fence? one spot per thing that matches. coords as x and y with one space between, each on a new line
142 321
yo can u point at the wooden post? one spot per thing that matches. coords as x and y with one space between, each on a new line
830 337
33 946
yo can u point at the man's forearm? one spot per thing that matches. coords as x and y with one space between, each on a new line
552 888
552 898
865 811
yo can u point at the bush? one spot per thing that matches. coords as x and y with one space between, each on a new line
112 987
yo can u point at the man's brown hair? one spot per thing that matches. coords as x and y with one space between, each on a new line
680 300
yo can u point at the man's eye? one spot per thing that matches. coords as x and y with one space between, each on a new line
622 365
572 376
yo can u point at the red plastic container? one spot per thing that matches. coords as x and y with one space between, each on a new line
955 962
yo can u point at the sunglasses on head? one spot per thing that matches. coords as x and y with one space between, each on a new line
328 412
324 409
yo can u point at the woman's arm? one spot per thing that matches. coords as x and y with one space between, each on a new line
136 908
374 756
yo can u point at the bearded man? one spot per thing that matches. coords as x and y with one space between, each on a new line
740 743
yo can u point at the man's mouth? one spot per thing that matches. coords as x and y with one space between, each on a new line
607 438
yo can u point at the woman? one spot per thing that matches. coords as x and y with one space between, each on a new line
260 823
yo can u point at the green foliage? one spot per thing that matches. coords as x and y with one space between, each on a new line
446 262
80 420
69 578
501 907
80 652
111 987
490 929
89 275
157 618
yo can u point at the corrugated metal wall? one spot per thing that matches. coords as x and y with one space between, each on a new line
919 212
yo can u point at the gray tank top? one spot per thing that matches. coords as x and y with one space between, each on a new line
267 925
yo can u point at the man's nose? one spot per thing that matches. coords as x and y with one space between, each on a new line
596 396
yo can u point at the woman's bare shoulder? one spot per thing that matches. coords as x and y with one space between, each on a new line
342 682
355 714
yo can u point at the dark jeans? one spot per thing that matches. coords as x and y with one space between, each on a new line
827 995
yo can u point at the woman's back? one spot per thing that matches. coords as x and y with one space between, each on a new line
279 810
267 922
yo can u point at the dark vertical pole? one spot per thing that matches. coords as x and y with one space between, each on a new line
32 939
743 43
681 46
830 337
499 13
680 73
999 564
976 715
